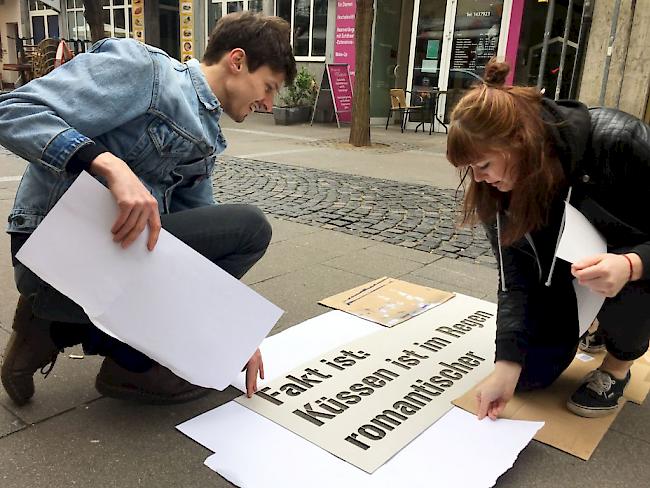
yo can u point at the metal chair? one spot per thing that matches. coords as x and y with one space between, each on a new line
398 104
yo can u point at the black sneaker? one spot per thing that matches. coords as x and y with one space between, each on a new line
592 342
599 395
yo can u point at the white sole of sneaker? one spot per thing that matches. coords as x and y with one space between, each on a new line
593 413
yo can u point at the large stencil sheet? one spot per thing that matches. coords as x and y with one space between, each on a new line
366 400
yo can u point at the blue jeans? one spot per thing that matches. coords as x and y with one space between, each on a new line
234 237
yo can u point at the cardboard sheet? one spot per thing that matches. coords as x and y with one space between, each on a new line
172 303
387 301
366 400
564 430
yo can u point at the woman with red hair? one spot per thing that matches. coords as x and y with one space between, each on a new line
527 155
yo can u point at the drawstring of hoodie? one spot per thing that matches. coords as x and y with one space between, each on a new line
503 275
557 244
559 236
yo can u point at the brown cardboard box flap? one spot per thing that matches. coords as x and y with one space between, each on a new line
562 429
387 301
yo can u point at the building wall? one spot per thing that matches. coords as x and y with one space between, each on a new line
635 89
9 14
628 79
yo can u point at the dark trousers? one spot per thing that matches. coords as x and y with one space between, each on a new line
234 237
624 323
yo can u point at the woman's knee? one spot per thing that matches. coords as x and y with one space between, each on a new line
625 322
543 365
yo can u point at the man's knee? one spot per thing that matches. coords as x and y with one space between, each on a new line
258 228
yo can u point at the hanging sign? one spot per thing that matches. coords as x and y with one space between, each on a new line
137 19
187 29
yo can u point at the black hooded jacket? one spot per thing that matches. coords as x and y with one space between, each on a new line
605 154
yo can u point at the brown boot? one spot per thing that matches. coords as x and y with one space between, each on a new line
158 385
30 348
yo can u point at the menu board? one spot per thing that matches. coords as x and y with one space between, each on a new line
344 47
187 29
473 53
341 85
137 20
476 36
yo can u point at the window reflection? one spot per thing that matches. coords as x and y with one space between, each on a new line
301 13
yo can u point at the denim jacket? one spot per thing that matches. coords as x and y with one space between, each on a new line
157 114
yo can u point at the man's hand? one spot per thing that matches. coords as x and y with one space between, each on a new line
605 274
497 390
253 366
137 206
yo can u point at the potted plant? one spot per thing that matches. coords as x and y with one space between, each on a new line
296 100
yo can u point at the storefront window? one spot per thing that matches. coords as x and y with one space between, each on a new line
308 19
119 23
283 9
232 7
117 19
319 28
428 44
44 21
476 39
219 8
530 46
214 14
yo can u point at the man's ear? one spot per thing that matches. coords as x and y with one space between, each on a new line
237 59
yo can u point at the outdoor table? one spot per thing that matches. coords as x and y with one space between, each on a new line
430 103
25 69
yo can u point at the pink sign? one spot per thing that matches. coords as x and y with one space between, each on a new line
344 50
341 91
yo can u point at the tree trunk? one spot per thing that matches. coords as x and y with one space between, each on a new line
94 14
360 130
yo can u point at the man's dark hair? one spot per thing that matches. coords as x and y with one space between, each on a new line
266 41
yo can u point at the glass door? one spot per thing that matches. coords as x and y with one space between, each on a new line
426 66
477 28
451 43
384 55
428 44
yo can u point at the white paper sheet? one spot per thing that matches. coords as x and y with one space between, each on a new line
172 304
438 457
580 240
284 351
253 452
589 304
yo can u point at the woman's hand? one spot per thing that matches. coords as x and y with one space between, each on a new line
496 390
137 207
606 274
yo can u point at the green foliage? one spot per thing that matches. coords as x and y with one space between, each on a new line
302 92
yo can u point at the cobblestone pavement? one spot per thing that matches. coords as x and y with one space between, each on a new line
415 216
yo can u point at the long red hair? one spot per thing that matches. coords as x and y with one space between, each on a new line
493 118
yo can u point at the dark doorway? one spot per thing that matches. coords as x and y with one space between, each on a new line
170 38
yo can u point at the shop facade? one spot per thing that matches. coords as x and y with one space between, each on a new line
417 45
